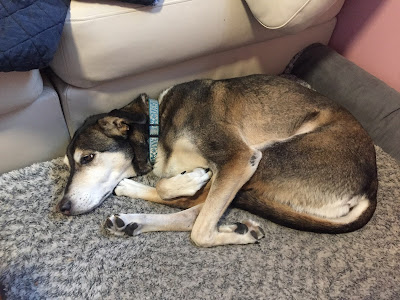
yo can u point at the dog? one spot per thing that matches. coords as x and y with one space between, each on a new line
262 143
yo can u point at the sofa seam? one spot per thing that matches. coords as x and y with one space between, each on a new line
135 9
67 111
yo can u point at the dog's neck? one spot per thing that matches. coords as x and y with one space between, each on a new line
154 129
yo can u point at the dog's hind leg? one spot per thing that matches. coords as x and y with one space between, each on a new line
134 224
226 182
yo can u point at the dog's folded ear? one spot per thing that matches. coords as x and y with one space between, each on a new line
114 126
117 123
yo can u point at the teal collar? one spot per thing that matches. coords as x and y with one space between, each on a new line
154 129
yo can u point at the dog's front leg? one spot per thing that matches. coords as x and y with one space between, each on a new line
226 183
183 185
134 224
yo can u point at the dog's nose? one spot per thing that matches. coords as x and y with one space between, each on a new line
65 207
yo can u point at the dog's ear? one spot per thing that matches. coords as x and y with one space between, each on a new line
114 126
117 123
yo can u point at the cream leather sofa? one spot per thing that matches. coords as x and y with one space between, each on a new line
110 51
32 126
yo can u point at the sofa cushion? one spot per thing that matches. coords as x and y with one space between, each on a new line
290 15
262 57
105 40
18 89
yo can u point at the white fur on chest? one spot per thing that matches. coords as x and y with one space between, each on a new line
185 156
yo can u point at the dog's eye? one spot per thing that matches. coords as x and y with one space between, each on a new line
87 159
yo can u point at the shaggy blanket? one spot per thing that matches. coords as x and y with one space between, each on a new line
45 255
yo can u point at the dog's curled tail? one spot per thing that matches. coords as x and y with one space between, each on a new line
284 215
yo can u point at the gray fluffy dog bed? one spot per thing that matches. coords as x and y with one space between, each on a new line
44 255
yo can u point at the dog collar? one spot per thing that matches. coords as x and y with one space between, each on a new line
153 129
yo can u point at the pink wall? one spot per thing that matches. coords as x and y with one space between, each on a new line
368 33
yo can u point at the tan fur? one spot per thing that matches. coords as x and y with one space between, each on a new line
185 156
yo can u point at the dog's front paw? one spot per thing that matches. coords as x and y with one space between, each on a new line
248 228
121 188
123 224
127 187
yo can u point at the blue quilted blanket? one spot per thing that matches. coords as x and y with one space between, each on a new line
29 32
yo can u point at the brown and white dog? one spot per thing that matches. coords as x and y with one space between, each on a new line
262 143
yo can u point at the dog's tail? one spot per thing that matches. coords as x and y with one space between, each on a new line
284 215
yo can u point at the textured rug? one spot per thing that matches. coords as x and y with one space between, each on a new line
44 255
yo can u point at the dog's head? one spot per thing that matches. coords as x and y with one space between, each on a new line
103 151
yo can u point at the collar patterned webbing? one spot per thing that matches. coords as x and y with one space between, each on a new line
153 129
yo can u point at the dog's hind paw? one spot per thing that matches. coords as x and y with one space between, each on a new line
123 224
247 227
